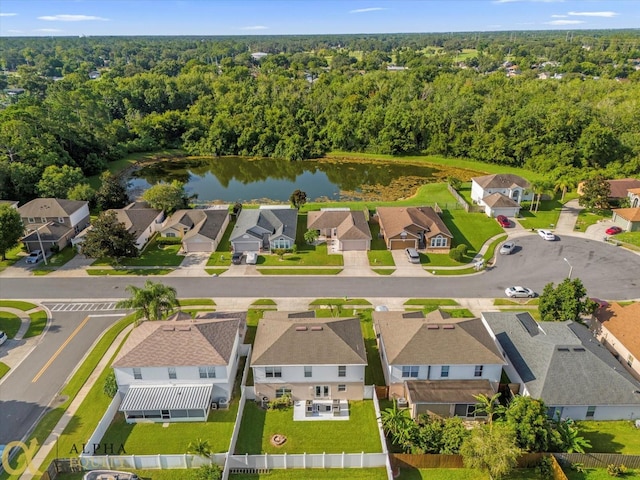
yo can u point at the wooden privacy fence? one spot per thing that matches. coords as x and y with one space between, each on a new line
406 460
598 460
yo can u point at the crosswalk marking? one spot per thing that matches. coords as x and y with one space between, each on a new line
83 307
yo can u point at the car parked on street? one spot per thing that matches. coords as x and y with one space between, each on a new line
546 234
613 230
3 337
503 221
519 292
35 256
507 248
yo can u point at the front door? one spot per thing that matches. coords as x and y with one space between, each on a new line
322 391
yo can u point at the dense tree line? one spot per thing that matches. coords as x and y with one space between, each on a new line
315 94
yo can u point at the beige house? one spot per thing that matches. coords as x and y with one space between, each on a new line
140 220
200 230
309 358
627 218
414 227
346 229
618 328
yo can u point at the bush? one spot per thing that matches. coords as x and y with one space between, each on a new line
55 249
207 472
280 403
168 241
545 468
458 253
110 385
616 470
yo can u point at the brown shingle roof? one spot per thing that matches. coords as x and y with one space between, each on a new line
49 232
199 222
50 207
630 214
349 225
619 187
179 343
623 323
395 220
498 200
435 340
136 218
447 391
501 180
284 339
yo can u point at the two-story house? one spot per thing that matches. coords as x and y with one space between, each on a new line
174 370
435 363
309 358
500 194
265 229
52 222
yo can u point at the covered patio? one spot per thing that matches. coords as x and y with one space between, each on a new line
167 403
446 398
310 410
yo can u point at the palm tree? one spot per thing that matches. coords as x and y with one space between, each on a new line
200 447
539 187
153 301
397 424
563 183
489 405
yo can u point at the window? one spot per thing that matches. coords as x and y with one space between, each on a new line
630 360
172 373
137 374
280 392
273 372
307 372
342 371
410 371
60 220
342 388
591 412
170 235
31 220
444 371
439 241
478 371
43 219
207 372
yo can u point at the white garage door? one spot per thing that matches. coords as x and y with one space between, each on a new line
354 245
198 246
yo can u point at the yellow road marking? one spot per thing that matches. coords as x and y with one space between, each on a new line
55 355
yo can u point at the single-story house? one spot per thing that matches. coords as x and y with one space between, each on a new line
265 229
618 188
437 363
618 328
414 227
627 218
350 230
501 193
140 220
200 230
562 364
172 371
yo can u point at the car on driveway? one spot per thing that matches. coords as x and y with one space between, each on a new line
35 256
519 292
412 255
252 258
613 230
507 248
546 234
503 221
236 258
3 337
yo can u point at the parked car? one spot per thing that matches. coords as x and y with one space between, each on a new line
519 292
236 258
35 256
412 255
252 258
546 234
613 230
507 248
3 337
503 221
381 308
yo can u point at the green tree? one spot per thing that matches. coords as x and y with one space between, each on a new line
110 387
57 181
11 229
167 196
111 194
200 447
567 301
491 450
490 406
298 198
397 424
82 191
152 302
454 433
595 193
527 418
207 472
570 439
109 238
310 236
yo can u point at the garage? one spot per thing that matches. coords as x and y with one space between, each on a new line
354 245
199 245
401 244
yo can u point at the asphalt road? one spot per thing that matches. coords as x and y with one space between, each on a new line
31 389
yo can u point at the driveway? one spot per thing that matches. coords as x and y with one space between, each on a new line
356 264
404 268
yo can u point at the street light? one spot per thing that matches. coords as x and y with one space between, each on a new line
570 268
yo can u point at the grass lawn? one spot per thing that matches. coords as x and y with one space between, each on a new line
24 306
9 323
472 229
340 301
492 247
222 256
546 216
373 374
13 256
153 255
523 301
358 434
56 261
629 237
463 271
264 301
128 271
437 302
4 369
186 302
611 436
379 256
316 474
307 256
463 474
299 271
215 271
454 312
384 271
586 218
598 474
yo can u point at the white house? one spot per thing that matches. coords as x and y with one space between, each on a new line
562 364
436 363
500 194
172 371
309 358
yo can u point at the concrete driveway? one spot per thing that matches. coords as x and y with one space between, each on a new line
356 264
404 268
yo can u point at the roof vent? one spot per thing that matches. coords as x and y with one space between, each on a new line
316 328
579 349
448 327
433 327
168 328
301 328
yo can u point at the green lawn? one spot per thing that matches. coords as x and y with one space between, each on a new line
153 255
222 256
128 271
264 301
56 261
463 474
384 271
9 323
299 271
546 216
4 369
13 256
598 474
316 474
373 373
358 434
587 218
186 302
438 302
24 306
523 301
611 436
472 229
340 301
629 237
379 256
215 271
464 271
489 254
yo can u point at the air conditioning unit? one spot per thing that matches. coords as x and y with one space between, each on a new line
402 403
223 403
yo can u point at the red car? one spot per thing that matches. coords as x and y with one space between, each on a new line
613 230
503 221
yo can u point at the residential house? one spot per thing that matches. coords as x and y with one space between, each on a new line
140 220
264 229
634 197
172 371
618 188
562 364
414 227
627 218
618 328
11 203
501 193
52 222
309 358
347 230
200 230
436 363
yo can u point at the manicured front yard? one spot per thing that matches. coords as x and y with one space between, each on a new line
437 302
13 256
4 369
587 218
358 434
9 323
611 436
153 255
546 216
629 237
472 229
128 271
56 261
299 271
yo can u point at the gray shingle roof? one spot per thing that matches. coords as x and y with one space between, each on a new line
199 222
277 221
136 218
561 362
50 207
498 200
49 232
501 180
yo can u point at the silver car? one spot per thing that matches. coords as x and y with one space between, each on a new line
519 292
507 248
546 234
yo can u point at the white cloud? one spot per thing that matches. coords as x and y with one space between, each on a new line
255 27
48 30
8 14
593 14
564 22
70 18
14 31
559 16
364 10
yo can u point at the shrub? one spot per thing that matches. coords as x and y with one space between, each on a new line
207 472
616 470
168 240
55 249
458 252
280 403
545 468
110 385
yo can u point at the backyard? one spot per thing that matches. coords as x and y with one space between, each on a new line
611 436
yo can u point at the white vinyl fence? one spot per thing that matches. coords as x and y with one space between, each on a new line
306 460
148 462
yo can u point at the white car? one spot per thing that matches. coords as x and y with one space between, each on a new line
519 292
546 234
251 258
507 248
3 337
35 256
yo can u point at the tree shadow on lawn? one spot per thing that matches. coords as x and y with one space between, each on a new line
601 442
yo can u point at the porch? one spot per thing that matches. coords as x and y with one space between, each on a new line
312 410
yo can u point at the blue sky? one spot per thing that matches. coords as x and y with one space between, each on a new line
267 17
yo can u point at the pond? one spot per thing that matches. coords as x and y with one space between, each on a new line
231 179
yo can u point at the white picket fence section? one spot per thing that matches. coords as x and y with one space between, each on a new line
306 460
148 462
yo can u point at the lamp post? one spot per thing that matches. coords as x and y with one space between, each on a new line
570 267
